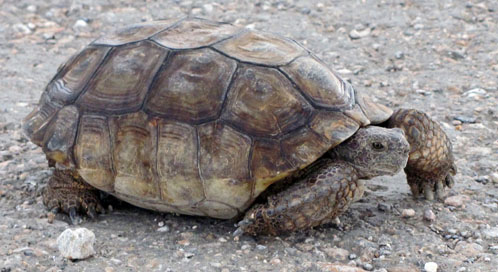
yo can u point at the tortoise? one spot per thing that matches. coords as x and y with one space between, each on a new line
200 118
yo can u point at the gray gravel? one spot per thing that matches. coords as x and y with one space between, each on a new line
437 56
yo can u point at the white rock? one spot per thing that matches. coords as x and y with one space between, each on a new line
208 8
429 215
457 200
76 244
476 93
494 177
79 24
430 267
491 233
408 213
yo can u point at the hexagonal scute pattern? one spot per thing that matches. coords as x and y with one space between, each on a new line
134 33
194 33
70 81
224 163
123 80
177 164
134 155
261 48
92 152
192 86
263 102
319 83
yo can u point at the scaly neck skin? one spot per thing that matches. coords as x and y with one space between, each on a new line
335 155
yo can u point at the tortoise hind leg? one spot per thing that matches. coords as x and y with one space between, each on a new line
321 193
68 193
430 166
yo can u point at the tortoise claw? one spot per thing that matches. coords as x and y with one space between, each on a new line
428 191
242 225
74 216
91 212
439 189
238 232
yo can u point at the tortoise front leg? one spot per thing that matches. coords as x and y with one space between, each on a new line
430 166
67 192
324 191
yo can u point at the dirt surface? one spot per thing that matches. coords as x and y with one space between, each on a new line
437 56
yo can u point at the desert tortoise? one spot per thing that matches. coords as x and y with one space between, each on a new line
199 117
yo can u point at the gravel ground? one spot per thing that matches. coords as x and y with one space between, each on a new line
437 56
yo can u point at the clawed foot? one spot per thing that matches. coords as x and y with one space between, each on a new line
242 226
429 189
67 194
73 205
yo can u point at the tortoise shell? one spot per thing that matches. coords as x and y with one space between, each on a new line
194 116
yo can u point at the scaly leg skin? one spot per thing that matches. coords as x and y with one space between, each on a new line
67 192
317 197
430 166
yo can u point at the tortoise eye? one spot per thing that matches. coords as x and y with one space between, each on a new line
377 146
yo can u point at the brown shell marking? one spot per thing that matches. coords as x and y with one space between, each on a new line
194 33
375 112
60 136
71 80
192 86
92 152
268 164
177 166
319 83
224 159
262 102
134 33
134 155
123 80
261 48
35 123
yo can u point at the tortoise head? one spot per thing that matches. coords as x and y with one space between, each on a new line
374 151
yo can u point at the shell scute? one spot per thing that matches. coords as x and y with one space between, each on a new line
334 127
35 123
192 86
134 33
134 155
261 48
121 83
320 84
262 102
177 166
74 75
224 163
60 136
194 33
303 147
92 152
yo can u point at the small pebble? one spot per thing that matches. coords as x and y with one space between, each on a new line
408 213
358 34
76 244
465 119
163 229
352 256
494 177
79 24
399 55
383 207
429 215
456 201
260 247
430 267
367 266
